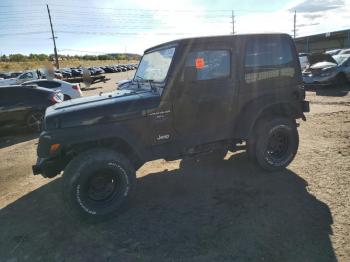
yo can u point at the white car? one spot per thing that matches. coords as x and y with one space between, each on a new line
24 77
69 90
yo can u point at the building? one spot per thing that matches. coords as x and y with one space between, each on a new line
323 42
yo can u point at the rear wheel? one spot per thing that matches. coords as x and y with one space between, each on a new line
275 143
97 183
34 121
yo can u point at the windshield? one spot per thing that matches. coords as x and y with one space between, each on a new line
155 66
340 58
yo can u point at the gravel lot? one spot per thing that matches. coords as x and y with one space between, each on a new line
195 211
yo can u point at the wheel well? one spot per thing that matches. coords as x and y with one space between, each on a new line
283 110
116 144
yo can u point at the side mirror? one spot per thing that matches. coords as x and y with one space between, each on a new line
190 74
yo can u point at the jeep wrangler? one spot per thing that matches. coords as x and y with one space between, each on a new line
187 97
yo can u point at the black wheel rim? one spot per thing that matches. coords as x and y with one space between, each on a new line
34 121
278 146
104 185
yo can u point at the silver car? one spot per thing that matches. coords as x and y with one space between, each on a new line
331 71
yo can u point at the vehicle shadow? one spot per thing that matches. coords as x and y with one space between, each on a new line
15 137
338 91
202 211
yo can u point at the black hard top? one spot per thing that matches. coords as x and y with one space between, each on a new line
206 39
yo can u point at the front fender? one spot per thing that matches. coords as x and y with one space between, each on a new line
68 137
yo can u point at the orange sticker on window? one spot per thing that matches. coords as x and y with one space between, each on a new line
200 63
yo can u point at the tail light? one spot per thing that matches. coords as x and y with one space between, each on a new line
56 98
76 87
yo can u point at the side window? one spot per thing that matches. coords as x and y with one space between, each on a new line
26 75
267 59
49 84
210 64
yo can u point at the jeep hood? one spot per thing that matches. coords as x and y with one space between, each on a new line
104 108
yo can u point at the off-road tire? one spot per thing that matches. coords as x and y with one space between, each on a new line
79 184
275 143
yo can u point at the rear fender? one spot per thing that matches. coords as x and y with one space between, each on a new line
261 108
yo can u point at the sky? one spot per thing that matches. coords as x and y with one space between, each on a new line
110 26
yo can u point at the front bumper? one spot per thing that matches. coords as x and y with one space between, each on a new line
48 167
310 79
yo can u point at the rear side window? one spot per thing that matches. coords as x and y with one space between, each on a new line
26 75
48 84
268 53
267 59
210 64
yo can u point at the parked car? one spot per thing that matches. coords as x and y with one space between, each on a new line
188 98
15 74
58 74
333 52
344 52
327 70
69 90
109 69
76 72
5 75
66 72
26 76
24 106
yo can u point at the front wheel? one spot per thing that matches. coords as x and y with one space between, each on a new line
276 143
97 183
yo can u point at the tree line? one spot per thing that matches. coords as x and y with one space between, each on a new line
45 57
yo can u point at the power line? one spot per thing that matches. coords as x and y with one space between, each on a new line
117 33
25 33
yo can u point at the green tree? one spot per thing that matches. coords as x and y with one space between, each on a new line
17 58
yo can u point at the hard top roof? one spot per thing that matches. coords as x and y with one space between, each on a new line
214 38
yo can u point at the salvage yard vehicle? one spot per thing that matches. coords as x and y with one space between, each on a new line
24 106
69 90
188 97
26 76
327 70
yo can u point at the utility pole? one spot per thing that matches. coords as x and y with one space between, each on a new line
295 23
53 38
233 22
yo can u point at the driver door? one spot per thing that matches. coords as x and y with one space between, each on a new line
204 104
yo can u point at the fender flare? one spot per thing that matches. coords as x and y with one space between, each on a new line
70 137
258 108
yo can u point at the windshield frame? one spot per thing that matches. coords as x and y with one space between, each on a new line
149 51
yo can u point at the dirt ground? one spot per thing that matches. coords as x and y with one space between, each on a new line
227 210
